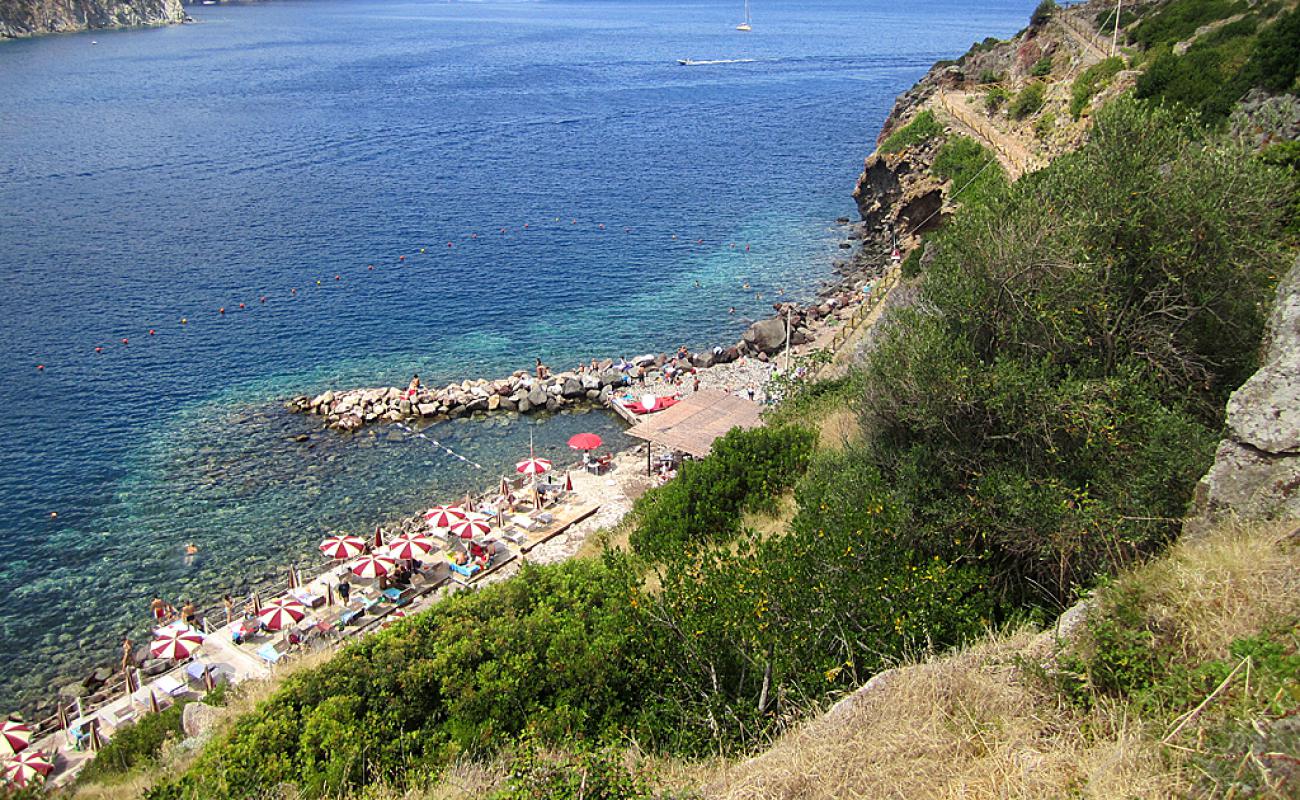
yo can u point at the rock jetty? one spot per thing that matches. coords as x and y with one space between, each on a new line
522 392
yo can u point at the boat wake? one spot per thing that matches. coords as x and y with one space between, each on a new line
688 62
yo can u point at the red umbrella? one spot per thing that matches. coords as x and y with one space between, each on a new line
281 612
379 538
343 547
412 546
176 644
568 481
372 566
585 441
470 527
14 737
444 516
26 766
533 466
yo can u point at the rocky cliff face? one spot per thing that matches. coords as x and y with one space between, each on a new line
31 17
1256 471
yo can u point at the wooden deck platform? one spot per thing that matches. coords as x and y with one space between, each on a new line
564 519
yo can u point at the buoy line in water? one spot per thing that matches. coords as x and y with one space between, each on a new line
421 435
107 347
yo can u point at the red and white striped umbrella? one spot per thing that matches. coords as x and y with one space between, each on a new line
533 466
26 766
411 546
176 644
14 737
281 612
372 566
343 547
444 516
474 525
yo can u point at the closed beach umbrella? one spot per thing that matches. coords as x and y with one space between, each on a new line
444 516
378 540
14 737
410 547
472 526
175 644
585 441
538 502
372 566
343 547
568 481
281 613
505 487
25 767
533 466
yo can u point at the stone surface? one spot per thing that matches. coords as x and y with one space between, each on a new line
1256 470
198 718
766 336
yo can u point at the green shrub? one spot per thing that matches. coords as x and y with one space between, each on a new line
921 129
988 76
995 98
1013 413
1179 19
975 173
1090 81
1028 101
597 774
911 266
746 470
1044 125
135 745
1042 13
1042 67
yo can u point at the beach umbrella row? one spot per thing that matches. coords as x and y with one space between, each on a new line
444 516
372 566
410 547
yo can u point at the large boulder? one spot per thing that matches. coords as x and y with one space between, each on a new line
766 336
198 718
537 396
572 388
1256 470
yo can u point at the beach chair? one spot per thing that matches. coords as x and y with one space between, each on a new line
269 654
168 685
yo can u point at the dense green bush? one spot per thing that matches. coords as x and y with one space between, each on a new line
588 772
995 98
135 745
975 173
1028 101
921 129
1177 20
745 471
1042 13
1090 81
1057 398
1042 67
546 652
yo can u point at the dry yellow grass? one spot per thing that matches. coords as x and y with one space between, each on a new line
773 524
838 428
969 726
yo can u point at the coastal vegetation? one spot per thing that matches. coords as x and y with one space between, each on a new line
1035 422
1026 433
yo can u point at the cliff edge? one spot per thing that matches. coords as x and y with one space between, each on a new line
19 18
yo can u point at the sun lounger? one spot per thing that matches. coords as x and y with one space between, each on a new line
269 654
467 570
349 616
169 685
123 715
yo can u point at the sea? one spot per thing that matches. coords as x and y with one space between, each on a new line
200 221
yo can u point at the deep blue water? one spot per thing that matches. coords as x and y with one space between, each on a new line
152 175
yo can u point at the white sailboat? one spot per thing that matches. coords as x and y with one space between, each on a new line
744 26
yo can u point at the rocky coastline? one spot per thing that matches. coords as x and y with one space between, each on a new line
522 392
23 18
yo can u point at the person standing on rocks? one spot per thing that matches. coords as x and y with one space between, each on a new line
158 608
413 388
127 646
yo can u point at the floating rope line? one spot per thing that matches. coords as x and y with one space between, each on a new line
438 444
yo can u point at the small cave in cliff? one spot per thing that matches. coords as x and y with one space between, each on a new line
920 214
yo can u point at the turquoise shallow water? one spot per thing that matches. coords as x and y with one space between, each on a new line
166 173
